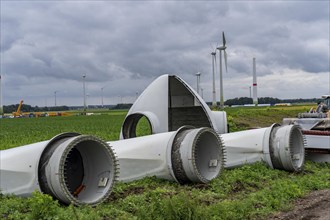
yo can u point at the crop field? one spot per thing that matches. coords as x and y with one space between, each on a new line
21 131
249 192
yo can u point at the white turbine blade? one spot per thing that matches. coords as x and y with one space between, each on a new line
225 55
223 39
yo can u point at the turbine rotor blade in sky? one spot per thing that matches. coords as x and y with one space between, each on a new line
223 39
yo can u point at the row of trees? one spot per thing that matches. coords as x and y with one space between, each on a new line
230 102
267 100
122 106
29 108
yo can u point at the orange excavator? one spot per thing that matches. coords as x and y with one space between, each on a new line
18 112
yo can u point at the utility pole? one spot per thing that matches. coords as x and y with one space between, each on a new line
255 95
102 96
198 80
84 88
55 97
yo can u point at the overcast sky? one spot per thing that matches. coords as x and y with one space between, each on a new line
47 46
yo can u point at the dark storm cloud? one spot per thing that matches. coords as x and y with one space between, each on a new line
131 43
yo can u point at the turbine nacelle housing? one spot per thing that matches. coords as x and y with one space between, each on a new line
169 103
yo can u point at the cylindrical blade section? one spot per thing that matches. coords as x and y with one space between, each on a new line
81 170
197 155
287 148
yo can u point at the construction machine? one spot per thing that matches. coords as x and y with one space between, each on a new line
18 112
316 128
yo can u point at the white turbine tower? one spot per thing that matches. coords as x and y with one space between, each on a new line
214 61
223 47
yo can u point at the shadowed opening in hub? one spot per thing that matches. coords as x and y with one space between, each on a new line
74 171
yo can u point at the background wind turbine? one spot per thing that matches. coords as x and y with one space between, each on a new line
223 47
214 61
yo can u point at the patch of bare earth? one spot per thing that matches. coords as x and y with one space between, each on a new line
315 206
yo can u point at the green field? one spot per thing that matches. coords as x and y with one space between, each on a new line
21 131
250 192
254 117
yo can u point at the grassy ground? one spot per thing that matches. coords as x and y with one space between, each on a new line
254 117
21 131
250 192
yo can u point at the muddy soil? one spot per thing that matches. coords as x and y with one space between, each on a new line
315 206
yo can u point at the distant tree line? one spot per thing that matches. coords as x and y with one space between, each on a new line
29 108
122 106
314 100
239 101
229 102
267 100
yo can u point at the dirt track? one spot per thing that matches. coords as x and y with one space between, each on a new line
315 206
